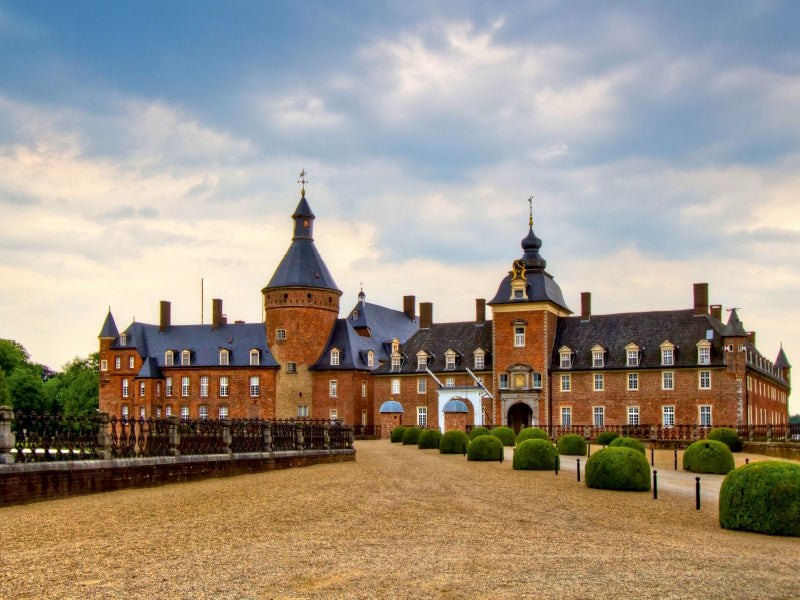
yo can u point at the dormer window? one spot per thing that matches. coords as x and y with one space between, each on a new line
186 358
169 358
255 358
704 352
565 354
598 357
632 354
422 361
123 339
395 364
370 359
334 357
395 346
224 357
480 359
449 360
354 315
667 354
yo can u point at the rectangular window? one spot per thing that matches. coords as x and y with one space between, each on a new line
519 337
450 363
131 362
395 386
158 389
223 386
302 411
363 389
333 388
117 362
141 388
363 418
104 365
667 357
633 415
598 358
449 382
204 387
633 382
168 410
334 358
142 413
566 360
422 416
633 358
168 384
158 412
223 412
280 334
566 383
124 410
186 358
169 358
422 385
667 380
598 382
704 356
422 363
705 416
255 358
503 384
395 364
334 414
599 414
203 412
479 361
124 388
566 416
371 359
184 412
184 386
255 386
668 413
705 380
537 381
224 358
291 367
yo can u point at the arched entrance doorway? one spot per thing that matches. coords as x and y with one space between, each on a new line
519 416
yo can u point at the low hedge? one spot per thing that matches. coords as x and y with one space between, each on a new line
429 439
411 436
618 468
476 431
535 455
532 433
708 456
763 497
397 434
453 442
505 435
727 436
604 438
626 442
571 444
485 447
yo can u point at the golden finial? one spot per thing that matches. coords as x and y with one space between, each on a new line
530 210
303 181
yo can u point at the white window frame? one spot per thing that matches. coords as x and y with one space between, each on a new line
123 339
668 415
185 386
255 358
335 357
519 336
599 416
667 381
131 362
566 359
333 388
291 367
104 365
599 379
168 410
450 382
124 411
334 414
566 383
395 364
598 358
480 361
117 362
125 388
668 356
395 386
204 386
302 411
633 382
280 334
704 352
168 386
422 416
704 413
363 389
633 415
186 358
224 386
632 353
202 412
255 386
566 416
704 379
422 362
142 388
370 359
449 361
169 358
224 357
422 385
223 412
184 412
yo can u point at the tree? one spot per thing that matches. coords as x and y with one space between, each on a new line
5 397
75 390
12 355
27 391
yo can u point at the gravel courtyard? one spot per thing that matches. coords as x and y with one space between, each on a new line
396 523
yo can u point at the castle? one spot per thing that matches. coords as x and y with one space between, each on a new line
533 363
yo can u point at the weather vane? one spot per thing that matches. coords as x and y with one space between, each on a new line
303 180
530 207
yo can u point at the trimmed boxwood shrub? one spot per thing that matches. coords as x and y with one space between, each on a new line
476 431
453 442
485 447
535 455
618 468
429 439
411 435
727 436
763 497
505 435
626 442
571 444
604 438
708 456
532 433
397 434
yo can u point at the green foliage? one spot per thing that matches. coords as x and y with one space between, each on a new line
453 442
429 439
12 356
27 391
476 431
604 438
763 497
5 396
727 436
397 434
411 436
532 433
571 444
505 435
618 468
626 442
535 454
75 391
708 456
485 447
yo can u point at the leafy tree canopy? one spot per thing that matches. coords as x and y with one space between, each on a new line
12 355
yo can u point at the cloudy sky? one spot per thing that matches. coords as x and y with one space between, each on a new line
146 146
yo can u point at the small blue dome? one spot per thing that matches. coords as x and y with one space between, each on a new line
455 406
391 406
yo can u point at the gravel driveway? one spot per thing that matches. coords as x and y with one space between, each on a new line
397 523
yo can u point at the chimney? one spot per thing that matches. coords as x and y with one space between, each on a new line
586 305
751 337
425 315
409 306
480 311
716 311
700 299
165 316
217 317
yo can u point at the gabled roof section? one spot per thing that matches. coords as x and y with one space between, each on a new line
383 323
149 369
109 330
734 326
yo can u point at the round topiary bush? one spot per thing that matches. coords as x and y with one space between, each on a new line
708 456
411 435
397 434
476 431
535 455
532 433
505 435
571 444
626 442
618 468
485 447
429 439
453 442
727 436
763 497
605 438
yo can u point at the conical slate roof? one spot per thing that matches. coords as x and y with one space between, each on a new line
109 329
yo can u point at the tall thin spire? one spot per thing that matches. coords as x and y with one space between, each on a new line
530 211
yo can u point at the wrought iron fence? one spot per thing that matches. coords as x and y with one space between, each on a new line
41 438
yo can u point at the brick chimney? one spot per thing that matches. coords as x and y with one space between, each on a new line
716 311
409 306
751 337
425 315
217 317
480 311
166 309
700 299
586 305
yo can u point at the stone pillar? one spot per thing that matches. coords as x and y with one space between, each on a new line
298 435
388 422
694 432
267 442
351 436
174 436
103 441
326 436
7 439
226 437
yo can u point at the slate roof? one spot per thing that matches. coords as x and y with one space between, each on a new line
781 362
109 329
463 337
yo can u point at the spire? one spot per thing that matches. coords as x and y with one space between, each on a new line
303 217
362 297
782 362
109 330
531 245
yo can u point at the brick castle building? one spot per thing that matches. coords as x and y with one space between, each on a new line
532 363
